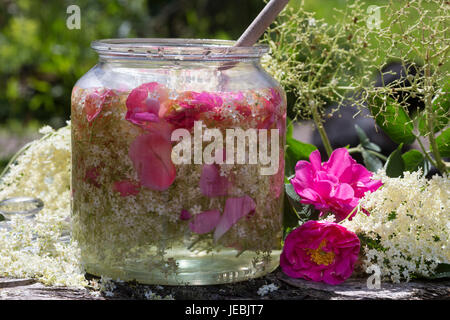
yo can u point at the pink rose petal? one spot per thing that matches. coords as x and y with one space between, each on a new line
126 188
143 103
235 209
304 174
94 103
188 108
205 222
185 215
339 160
151 157
92 175
334 186
212 184
315 160
343 192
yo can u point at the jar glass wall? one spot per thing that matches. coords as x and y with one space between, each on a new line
178 162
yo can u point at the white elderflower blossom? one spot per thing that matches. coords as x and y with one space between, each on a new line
107 286
150 295
329 218
33 248
407 231
265 289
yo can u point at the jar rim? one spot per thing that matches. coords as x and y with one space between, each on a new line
176 49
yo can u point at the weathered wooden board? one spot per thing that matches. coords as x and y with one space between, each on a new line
28 289
288 288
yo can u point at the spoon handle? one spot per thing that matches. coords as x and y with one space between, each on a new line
261 23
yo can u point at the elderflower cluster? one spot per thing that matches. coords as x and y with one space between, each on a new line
150 295
267 288
33 247
407 233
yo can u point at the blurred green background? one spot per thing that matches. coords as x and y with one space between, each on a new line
41 59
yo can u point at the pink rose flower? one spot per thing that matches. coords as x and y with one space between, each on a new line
151 157
144 102
126 188
320 251
334 186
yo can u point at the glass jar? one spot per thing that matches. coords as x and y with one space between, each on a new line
178 162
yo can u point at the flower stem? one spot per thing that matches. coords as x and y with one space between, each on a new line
424 150
429 117
319 125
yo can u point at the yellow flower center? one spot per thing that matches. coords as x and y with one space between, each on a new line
320 256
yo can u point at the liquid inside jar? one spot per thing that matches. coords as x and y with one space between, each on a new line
157 198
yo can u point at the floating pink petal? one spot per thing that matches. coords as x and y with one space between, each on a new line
126 188
188 108
238 100
235 209
281 125
212 184
185 215
205 222
143 103
276 97
94 103
151 157
92 175
162 128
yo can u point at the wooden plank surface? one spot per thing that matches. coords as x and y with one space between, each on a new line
288 288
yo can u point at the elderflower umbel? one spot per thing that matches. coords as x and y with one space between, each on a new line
265 289
408 230
33 248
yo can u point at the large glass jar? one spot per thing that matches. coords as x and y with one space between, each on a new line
177 162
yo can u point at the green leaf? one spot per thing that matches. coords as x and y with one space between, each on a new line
442 267
296 151
290 218
442 271
361 134
365 142
302 211
414 159
289 128
372 163
393 120
299 150
2 218
394 164
392 216
443 143
290 192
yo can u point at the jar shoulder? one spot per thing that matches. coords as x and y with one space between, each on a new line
207 78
